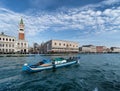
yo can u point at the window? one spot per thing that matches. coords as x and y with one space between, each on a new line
3 39
6 39
25 44
9 39
9 45
73 45
67 45
22 44
55 43
13 40
6 45
12 50
64 44
6 50
18 43
59 43
0 38
70 44
13 45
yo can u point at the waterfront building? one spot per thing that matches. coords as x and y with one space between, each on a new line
88 49
36 48
7 43
115 49
41 48
101 49
60 46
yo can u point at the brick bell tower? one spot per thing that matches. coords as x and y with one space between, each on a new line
21 30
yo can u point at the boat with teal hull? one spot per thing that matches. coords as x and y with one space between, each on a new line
54 64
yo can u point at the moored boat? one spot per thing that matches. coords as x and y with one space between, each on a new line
53 64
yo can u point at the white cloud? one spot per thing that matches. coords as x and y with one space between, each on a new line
85 19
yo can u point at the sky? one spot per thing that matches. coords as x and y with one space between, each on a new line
95 22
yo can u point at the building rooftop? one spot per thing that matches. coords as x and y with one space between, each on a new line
87 45
4 35
64 41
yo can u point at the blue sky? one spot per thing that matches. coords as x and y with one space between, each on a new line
94 22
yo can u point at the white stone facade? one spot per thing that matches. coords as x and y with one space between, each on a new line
21 46
88 48
9 44
116 49
61 46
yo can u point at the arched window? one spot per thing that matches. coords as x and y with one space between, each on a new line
55 43
9 39
60 44
67 45
22 44
9 45
6 50
12 50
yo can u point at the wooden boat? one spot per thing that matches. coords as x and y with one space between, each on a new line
45 65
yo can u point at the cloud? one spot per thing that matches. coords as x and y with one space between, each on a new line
110 2
85 20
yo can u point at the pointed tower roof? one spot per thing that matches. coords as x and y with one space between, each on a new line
21 21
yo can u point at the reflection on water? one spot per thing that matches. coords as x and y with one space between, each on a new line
96 72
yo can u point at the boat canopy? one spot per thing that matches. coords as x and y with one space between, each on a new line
59 59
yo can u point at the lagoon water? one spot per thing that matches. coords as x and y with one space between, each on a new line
96 72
